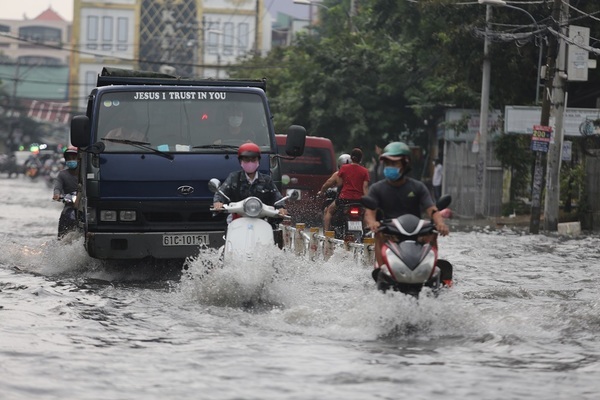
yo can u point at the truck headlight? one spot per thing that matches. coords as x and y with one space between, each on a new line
108 215
127 215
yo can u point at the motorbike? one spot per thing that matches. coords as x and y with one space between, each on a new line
249 229
32 172
68 217
346 222
410 254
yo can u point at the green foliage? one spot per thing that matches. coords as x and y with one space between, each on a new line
393 69
572 183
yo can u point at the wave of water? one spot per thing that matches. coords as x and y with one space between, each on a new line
521 321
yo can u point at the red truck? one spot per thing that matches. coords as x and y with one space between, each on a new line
307 174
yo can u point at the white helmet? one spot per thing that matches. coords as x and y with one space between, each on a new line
344 159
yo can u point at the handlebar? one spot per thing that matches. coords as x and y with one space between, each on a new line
215 212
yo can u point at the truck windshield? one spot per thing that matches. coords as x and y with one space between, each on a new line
314 161
181 120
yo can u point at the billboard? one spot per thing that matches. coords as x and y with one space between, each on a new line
521 119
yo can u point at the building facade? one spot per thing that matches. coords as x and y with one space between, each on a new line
179 37
42 40
34 64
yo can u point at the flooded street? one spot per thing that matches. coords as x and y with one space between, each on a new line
521 322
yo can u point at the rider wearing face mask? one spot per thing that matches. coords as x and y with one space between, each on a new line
249 181
398 194
67 180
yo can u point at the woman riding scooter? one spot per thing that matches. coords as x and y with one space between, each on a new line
248 182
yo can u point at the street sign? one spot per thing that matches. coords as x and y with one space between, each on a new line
566 150
541 137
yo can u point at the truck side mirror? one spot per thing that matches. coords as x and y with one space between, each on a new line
80 131
296 137
96 148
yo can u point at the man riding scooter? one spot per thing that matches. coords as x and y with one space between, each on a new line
331 194
66 183
398 194
353 179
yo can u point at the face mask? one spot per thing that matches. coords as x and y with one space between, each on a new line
391 173
235 121
249 166
71 164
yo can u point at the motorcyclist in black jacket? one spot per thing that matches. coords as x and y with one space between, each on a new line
248 181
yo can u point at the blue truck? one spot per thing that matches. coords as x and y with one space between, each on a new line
148 145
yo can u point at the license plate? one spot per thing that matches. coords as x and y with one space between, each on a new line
355 225
185 240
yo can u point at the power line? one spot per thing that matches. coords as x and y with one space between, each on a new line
129 60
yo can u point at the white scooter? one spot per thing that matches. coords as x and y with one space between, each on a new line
250 230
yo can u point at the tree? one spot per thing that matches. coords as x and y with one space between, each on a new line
397 70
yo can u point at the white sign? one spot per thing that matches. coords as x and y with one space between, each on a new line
521 119
577 67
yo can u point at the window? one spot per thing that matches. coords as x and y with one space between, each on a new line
243 34
314 161
92 32
41 34
228 38
213 38
122 33
40 60
107 33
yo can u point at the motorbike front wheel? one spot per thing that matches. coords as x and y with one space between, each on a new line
67 221
385 283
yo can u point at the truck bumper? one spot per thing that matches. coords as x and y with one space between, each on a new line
119 246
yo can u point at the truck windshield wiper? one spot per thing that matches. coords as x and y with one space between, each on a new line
141 145
216 146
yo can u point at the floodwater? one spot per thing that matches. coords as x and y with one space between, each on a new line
521 322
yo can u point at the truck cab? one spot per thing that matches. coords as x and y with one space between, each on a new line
149 143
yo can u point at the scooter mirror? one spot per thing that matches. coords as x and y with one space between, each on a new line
443 202
213 185
294 195
368 202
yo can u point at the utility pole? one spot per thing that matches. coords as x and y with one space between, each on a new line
552 200
257 29
481 163
538 173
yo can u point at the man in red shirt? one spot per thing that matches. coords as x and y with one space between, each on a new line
354 181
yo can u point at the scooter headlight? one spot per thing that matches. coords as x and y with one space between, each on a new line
252 207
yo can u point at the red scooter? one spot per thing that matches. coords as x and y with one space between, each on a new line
410 254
